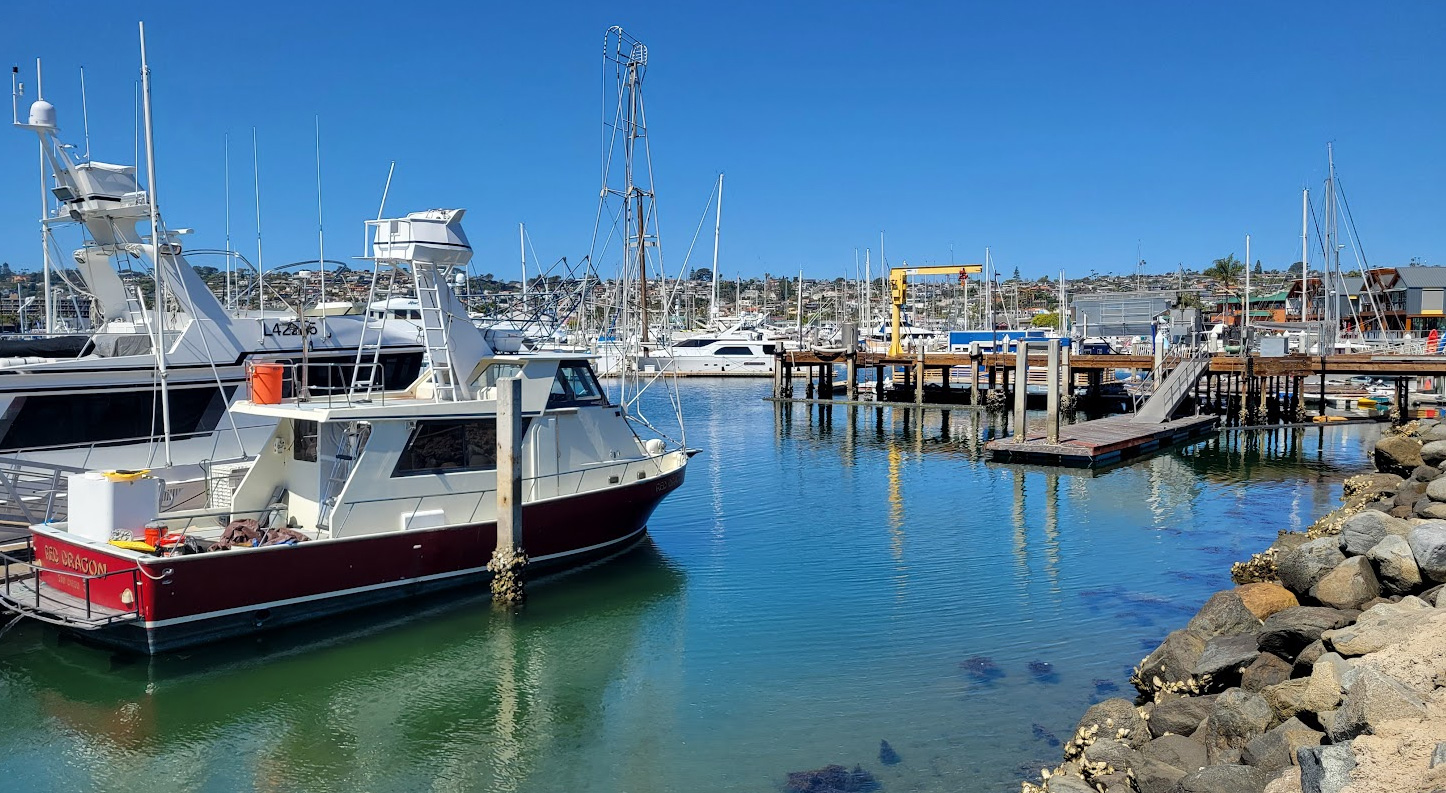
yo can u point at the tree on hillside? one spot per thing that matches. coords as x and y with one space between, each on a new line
703 274
1227 271
1045 321
1259 270
1294 270
1016 273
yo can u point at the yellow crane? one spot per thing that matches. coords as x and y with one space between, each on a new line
899 292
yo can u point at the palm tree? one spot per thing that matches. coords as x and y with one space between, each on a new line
1227 271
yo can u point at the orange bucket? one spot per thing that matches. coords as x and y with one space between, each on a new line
266 383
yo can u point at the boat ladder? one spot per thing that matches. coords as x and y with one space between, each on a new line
434 331
346 453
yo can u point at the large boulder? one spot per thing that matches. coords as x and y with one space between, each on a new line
1428 545
1237 717
1395 565
1151 775
1363 484
1179 751
1301 568
1380 626
1436 489
1114 715
1181 715
1301 695
1433 452
1056 784
1398 454
1349 585
1287 632
1174 660
1374 698
1325 769
1275 749
1264 599
1224 614
1266 670
1364 530
1222 779
1228 654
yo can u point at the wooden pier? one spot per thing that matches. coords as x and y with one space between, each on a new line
1100 442
1219 391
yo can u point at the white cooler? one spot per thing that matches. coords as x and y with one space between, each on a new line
99 505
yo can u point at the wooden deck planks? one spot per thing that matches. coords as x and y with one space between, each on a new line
1101 440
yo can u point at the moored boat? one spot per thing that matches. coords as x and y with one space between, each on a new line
359 496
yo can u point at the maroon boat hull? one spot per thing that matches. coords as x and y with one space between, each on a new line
214 596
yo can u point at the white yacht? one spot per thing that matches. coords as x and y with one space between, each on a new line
153 388
738 350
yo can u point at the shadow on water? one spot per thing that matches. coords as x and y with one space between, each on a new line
459 683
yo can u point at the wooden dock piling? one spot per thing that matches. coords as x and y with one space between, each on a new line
508 558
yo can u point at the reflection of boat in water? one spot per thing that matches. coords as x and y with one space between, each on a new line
378 701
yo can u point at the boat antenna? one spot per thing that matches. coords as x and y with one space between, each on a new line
84 114
17 89
156 232
320 227
385 189
226 159
260 262
522 246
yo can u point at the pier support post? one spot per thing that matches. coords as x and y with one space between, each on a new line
508 558
974 380
1021 390
919 377
1051 427
878 383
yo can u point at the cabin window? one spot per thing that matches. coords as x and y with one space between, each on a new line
438 447
769 349
495 373
735 351
39 421
303 440
695 342
574 385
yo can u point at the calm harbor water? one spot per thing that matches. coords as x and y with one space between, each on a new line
822 583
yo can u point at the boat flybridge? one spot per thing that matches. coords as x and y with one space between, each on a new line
153 385
359 496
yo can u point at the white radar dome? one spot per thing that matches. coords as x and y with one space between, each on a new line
42 114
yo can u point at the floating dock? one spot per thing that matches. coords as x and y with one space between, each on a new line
1100 442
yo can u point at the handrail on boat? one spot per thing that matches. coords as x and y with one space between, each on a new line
9 581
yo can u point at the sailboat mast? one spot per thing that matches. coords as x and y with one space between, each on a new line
717 227
522 246
800 307
868 291
160 299
1304 254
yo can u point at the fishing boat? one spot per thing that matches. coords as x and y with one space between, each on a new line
155 381
360 496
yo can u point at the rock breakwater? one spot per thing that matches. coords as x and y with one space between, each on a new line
1322 671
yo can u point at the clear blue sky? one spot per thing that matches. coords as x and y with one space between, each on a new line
1057 133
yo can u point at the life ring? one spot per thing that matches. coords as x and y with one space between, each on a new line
171 541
